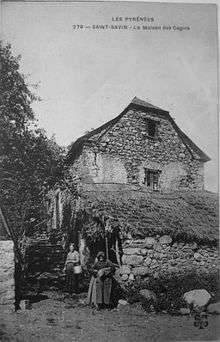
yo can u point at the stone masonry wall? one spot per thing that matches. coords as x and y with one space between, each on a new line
7 283
122 153
154 256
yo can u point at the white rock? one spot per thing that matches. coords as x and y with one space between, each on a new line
197 298
214 308
131 277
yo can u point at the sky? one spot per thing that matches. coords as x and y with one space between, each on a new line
87 77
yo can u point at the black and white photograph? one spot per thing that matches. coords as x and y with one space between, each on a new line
109 199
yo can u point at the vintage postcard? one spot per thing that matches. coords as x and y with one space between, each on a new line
109 171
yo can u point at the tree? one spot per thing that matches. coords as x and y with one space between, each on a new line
30 163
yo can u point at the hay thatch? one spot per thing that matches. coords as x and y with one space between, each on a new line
186 216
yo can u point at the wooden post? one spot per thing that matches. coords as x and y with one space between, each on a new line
117 252
106 247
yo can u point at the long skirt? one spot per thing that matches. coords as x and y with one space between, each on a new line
72 279
99 291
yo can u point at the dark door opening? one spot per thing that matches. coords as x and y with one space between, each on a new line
113 244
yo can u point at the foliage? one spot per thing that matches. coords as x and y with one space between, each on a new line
169 288
30 163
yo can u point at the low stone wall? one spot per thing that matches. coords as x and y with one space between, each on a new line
152 256
7 283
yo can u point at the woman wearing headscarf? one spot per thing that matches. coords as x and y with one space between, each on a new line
72 269
100 287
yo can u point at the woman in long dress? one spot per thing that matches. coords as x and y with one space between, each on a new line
100 287
72 277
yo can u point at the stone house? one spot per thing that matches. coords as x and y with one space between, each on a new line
142 146
131 175
136 191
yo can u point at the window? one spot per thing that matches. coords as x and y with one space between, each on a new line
151 178
151 128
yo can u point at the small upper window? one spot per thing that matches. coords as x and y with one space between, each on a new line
151 178
151 128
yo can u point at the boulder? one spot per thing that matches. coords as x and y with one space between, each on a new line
132 259
197 298
124 269
141 270
148 295
149 242
214 308
131 251
165 240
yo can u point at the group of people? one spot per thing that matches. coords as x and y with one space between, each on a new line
101 283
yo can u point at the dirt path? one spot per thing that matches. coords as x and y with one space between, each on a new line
68 320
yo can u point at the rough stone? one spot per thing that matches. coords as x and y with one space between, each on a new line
148 294
125 269
143 251
158 247
141 270
197 256
214 308
132 259
184 311
131 251
165 240
131 277
147 261
149 242
197 298
122 302
124 277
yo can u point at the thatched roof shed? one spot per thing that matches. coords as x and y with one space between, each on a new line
185 216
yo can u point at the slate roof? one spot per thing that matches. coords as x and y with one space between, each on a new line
77 146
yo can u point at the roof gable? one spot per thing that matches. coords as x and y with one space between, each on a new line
77 147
